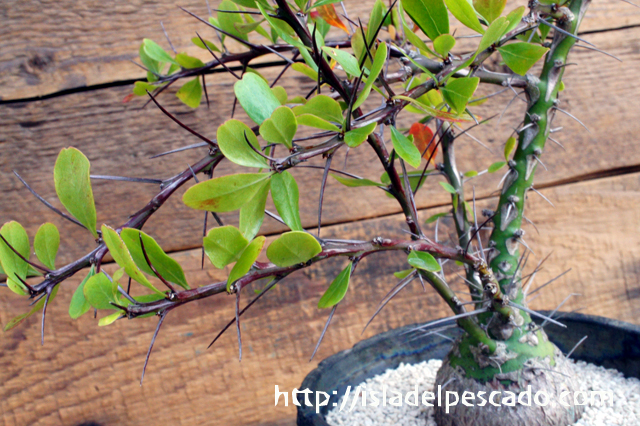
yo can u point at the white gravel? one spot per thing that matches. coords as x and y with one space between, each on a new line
624 412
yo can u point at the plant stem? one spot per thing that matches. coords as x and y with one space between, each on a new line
542 97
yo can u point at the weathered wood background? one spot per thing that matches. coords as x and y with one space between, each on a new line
63 66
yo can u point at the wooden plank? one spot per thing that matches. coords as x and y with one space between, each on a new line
72 44
87 373
118 139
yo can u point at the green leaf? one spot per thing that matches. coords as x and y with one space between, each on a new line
496 166
430 15
196 41
228 21
246 260
470 174
151 64
520 57
423 260
188 62
292 248
321 106
509 147
316 122
99 291
37 307
246 28
79 305
284 191
375 19
405 148
252 213
324 3
447 186
443 44
281 94
167 267
435 217
458 92
286 33
157 53
403 274
121 255
191 93
464 12
46 244
109 319
306 70
337 290
353 138
378 63
493 33
12 265
232 140
489 9
73 186
354 183
256 97
281 127
347 61
223 245
514 17
249 3
140 88
226 193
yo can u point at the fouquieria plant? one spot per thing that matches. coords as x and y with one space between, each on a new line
387 60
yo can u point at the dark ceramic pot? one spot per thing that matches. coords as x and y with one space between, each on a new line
611 344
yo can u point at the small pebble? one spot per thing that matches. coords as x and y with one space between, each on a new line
624 412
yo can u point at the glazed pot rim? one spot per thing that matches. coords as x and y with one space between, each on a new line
612 344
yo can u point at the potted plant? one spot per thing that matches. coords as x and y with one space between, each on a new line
500 338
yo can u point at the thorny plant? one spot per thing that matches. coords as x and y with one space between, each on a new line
429 80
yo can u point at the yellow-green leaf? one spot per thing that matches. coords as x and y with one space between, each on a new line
226 193
191 93
292 248
12 264
73 186
256 97
246 260
122 256
167 267
46 244
337 290
223 245
232 140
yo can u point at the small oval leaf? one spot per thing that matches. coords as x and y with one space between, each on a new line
73 186
337 290
46 244
292 248
224 245
234 138
246 260
226 193
256 97
121 255
284 191
423 260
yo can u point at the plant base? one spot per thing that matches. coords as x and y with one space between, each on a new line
516 404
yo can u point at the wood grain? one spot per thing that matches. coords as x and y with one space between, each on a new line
119 138
47 47
88 373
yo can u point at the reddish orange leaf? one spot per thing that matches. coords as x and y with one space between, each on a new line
423 140
328 13
128 98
